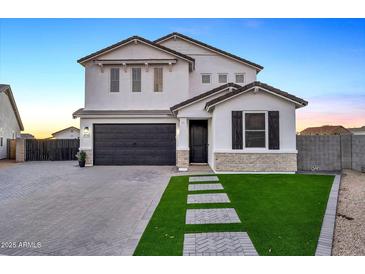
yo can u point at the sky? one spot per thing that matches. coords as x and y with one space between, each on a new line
319 60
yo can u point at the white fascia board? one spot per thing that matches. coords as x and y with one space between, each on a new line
199 45
273 93
117 47
205 97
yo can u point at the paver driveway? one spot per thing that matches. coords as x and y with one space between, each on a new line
76 211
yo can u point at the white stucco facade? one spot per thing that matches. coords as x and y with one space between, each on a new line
97 81
210 62
261 102
182 81
9 126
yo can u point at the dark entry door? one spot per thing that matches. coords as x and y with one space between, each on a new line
198 141
134 144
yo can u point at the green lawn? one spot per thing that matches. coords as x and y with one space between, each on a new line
281 213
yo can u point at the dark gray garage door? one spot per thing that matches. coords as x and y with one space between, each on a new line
134 144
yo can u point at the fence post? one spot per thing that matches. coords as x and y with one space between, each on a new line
20 150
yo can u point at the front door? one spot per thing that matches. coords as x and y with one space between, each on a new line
198 141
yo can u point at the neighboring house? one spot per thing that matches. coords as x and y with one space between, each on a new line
10 121
26 136
326 130
67 133
357 130
178 101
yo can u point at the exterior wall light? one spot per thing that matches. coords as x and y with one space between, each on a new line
86 131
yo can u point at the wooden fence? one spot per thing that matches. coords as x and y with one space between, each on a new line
51 150
11 149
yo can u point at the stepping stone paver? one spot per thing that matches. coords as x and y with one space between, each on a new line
212 216
209 198
196 187
218 244
203 179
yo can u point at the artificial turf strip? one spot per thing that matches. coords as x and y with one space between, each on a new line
282 213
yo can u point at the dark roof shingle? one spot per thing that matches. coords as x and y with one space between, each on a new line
326 130
253 85
131 39
203 95
257 66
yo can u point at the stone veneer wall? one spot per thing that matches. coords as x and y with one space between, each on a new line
182 158
89 157
256 162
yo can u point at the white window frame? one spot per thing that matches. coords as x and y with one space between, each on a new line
224 74
206 74
162 79
132 79
266 131
240 73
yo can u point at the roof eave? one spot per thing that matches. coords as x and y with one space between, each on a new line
91 56
297 101
257 67
9 92
189 102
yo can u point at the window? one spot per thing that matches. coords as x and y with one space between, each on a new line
158 79
222 78
255 133
240 78
1 141
114 80
136 80
206 78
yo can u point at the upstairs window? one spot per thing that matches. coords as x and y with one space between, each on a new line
255 130
240 78
114 80
158 79
222 78
136 80
206 78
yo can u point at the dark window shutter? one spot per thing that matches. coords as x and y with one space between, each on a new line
274 132
114 80
237 131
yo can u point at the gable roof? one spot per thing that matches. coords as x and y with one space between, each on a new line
71 127
326 130
254 85
203 95
7 90
202 44
131 39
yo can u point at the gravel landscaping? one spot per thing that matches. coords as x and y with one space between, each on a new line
350 222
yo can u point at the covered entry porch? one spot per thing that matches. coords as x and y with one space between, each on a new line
194 143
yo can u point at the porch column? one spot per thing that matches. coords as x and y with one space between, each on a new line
182 145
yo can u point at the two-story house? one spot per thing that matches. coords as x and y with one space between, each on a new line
178 101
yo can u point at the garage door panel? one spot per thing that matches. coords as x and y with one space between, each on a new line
134 144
